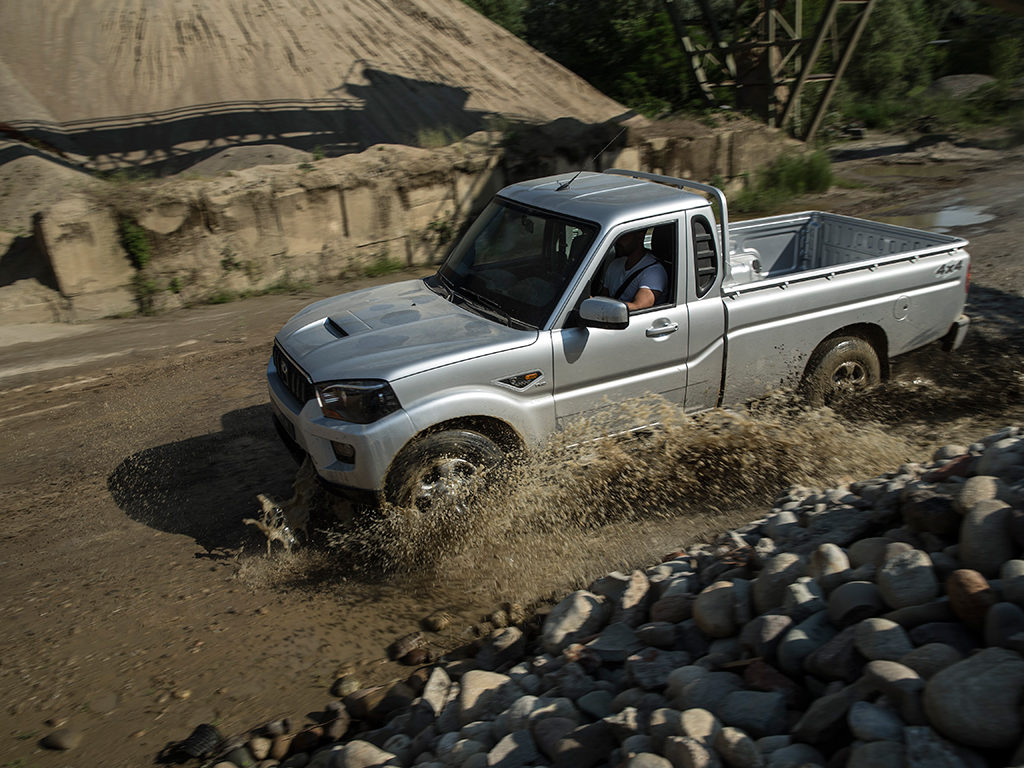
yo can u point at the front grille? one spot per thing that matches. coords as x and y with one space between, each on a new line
293 377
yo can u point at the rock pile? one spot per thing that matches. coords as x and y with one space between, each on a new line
875 624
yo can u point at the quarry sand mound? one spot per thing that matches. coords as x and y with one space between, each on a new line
133 82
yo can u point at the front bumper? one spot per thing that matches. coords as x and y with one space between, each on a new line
374 446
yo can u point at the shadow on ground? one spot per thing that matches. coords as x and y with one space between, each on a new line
983 379
204 486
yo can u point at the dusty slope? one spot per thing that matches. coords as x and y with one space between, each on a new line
141 80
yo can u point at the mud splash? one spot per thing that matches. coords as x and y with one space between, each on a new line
578 508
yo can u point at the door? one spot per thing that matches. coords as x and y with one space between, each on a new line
595 368
706 352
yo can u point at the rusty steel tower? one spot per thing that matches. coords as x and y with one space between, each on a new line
765 60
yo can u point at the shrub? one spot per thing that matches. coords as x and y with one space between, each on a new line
435 138
382 265
135 242
145 289
221 297
787 177
441 232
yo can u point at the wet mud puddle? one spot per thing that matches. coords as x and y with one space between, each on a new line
943 220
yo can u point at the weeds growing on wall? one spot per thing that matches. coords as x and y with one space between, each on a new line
382 265
441 232
135 242
787 177
435 138
145 289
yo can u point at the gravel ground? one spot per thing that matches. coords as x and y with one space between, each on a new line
139 605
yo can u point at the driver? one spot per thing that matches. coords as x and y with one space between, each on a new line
635 276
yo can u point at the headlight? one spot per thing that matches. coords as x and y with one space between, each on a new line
359 401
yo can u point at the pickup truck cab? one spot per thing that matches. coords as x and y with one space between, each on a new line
407 391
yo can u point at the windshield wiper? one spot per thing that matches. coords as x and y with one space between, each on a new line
491 307
446 285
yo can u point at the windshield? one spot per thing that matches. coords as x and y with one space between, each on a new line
514 263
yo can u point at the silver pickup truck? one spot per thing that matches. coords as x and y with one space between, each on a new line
406 392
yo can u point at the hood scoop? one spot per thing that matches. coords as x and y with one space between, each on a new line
334 329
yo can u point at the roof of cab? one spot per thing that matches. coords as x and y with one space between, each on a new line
604 198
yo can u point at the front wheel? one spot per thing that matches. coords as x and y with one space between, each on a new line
441 470
841 366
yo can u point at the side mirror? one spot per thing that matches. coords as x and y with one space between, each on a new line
602 312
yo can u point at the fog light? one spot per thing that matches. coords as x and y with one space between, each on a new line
344 452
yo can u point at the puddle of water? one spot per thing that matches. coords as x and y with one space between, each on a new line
943 220
911 170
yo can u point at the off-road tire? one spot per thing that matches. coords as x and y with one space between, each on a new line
441 467
840 366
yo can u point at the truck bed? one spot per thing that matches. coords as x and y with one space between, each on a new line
791 245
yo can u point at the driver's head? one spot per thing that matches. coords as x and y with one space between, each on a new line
629 242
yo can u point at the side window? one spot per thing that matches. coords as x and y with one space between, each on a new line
664 239
705 259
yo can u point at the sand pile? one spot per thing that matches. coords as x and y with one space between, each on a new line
170 82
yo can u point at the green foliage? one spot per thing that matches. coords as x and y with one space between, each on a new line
625 48
229 260
436 137
175 285
135 242
318 153
306 167
899 56
124 176
984 43
507 13
1006 58
286 284
441 232
145 289
787 177
221 297
895 54
629 50
922 111
382 265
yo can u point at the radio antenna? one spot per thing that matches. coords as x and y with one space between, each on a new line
565 185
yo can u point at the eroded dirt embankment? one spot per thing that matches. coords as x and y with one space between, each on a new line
92 248
140 605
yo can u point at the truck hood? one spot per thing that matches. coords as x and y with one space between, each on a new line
389 332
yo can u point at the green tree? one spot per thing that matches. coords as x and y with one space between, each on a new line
897 53
507 13
625 48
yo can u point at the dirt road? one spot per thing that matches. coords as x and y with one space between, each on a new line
138 605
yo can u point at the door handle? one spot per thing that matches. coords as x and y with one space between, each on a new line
663 329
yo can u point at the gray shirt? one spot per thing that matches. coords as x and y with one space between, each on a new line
652 275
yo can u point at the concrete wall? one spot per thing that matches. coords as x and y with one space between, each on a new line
272 227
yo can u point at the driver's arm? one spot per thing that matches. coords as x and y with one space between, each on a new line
643 299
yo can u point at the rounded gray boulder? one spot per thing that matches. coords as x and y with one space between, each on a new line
985 541
777 574
578 615
976 701
907 579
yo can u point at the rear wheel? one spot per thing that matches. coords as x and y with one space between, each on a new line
840 366
442 471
